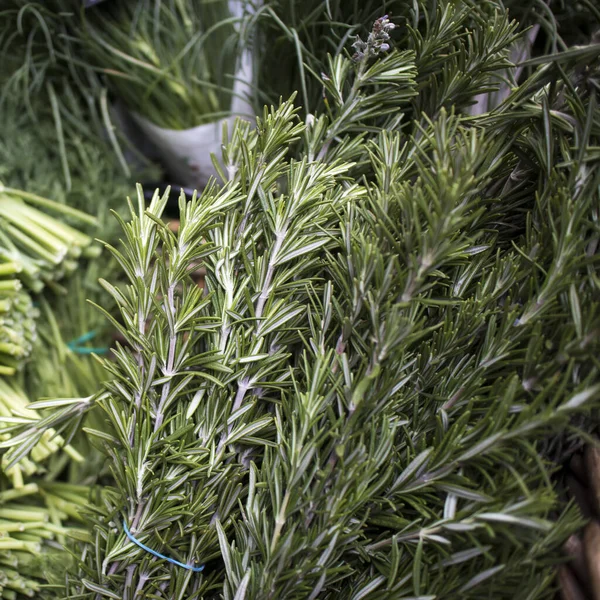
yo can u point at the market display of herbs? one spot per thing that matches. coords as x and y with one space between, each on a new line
36 250
173 62
387 385
49 268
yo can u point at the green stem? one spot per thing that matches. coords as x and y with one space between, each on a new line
10 285
26 490
60 208
12 544
23 513
11 349
36 248
9 268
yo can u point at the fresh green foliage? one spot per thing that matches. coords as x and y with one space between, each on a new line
36 249
293 37
394 323
172 61
401 310
43 248
44 82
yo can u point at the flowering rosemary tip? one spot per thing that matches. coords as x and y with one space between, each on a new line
377 42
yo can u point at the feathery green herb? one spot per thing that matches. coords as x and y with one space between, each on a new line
173 62
396 343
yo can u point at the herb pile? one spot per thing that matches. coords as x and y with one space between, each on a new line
394 351
55 198
155 57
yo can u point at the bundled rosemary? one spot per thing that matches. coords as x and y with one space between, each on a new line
295 36
395 346
400 310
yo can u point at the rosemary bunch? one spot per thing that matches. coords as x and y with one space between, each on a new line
294 36
400 310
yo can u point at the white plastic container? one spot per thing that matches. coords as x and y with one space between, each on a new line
186 153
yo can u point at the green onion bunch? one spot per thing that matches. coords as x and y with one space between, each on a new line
43 248
41 494
35 522
68 332
36 249
172 61
17 322
14 407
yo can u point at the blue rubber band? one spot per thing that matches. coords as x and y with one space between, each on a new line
84 350
75 345
158 554
86 337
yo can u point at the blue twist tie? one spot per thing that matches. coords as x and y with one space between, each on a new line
75 345
158 554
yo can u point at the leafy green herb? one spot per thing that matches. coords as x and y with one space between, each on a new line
173 62
395 346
